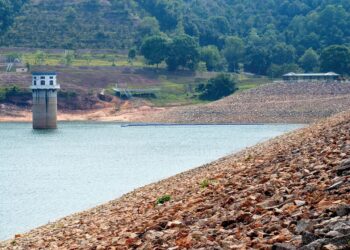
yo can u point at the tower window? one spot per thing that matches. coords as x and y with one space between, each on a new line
51 77
42 82
34 82
42 77
51 82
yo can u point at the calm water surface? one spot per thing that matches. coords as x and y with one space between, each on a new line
47 175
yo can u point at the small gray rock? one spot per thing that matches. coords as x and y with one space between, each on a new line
304 225
333 234
308 237
316 245
342 227
342 241
344 166
299 203
335 185
283 246
343 210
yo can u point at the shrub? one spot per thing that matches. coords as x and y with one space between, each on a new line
217 87
163 199
205 183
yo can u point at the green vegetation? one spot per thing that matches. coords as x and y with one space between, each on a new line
163 199
205 183
154 49
310 61
72 58
220 86
8 11
6 93
265 38
210 55
336 58
182 51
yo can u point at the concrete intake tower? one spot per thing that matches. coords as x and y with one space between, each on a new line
44 88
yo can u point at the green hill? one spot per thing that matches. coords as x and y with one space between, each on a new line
273 32
74 24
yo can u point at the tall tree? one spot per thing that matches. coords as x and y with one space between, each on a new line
154 49
211 56
336 58
283 54
309 60
233 52
258 61
182 52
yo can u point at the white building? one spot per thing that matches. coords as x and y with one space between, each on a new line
311 77
44 87
44 80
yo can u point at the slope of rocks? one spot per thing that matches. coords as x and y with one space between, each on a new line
278 102
292 191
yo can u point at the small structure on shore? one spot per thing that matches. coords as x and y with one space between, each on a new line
127 93
44 88
311 77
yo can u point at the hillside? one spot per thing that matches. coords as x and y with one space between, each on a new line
291 191
68 24
266 33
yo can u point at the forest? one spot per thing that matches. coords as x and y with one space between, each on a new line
269 37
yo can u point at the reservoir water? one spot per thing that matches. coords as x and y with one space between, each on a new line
45 175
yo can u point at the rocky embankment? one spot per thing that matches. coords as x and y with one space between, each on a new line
276 103
290 192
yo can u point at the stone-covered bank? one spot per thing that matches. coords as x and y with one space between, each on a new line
292 191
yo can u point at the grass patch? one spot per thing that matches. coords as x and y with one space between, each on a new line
179 91
51 59
163 199
205 183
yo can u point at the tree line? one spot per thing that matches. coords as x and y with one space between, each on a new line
267 37
8 11
183 51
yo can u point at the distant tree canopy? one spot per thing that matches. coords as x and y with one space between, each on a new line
217 87
8 11
336 58
182 52
233 52
263 36
310 60
212 58
155 49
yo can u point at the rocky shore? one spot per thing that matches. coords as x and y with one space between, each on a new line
290 192
270 103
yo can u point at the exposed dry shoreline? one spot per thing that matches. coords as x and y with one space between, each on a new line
271 103
294 188
103 115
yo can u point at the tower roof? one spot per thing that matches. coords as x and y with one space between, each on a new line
44 73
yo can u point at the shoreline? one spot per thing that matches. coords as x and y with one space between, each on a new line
271 103
134 221
102 115
147 116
